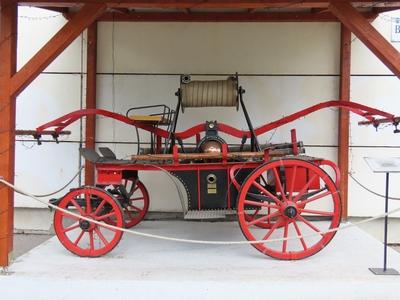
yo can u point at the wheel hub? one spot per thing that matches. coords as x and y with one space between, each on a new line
290 211
86 225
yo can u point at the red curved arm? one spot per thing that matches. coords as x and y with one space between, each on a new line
367 112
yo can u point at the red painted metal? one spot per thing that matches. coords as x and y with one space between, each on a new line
85 238
291 209
198 138
334 167
300 176
175 154
224 153
109 176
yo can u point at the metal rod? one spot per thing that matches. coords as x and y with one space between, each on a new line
386 223
246 115
171 136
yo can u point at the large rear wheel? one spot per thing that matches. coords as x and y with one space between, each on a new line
303 204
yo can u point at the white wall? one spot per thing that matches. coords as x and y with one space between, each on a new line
286 67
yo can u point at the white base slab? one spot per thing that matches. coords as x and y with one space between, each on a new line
144 268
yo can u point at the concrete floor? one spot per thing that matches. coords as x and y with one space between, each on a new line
150 269
25 242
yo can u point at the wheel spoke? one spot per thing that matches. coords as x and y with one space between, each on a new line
285 235
264 218
317 197
303 242
101 205
305 188
278 183
65 215
266 192
136 199
291 188
318 212
70 228
269 233
135 208
88 202
135 188
255 213
79 238
78 207
91 240
130 216
106 216
101 236
262 204
305 221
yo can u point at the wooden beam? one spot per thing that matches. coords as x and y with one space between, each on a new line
354 21
55 46
210 3
8 50
344 123
90 128
224 17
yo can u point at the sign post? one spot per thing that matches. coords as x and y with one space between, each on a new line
387 166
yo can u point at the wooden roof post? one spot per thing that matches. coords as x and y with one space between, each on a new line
90 129
360 26
56 45
344 95
8 52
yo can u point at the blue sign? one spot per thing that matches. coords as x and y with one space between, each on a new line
395 30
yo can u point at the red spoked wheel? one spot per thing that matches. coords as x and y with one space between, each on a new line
83 237
252 212
135 203
303 204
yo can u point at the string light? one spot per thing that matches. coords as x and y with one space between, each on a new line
42 18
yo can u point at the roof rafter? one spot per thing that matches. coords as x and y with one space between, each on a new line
354 21
86 16
245 4
225 17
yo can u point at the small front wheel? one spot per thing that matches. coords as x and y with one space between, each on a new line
82 237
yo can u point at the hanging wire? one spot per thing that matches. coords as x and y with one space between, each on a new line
43 18
370 190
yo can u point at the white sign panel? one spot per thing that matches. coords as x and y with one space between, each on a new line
384 165
395 29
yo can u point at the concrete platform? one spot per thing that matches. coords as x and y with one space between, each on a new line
143 268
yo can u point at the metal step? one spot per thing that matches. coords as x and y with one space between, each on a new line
208 214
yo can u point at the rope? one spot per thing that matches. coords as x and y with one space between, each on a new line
160 237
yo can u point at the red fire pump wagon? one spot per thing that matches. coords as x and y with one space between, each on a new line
283 198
